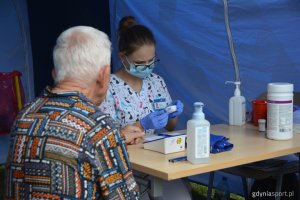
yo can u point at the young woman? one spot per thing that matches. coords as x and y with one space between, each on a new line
136 95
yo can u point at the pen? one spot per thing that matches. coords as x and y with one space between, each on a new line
178 159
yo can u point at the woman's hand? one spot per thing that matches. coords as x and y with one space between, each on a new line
179 108
155 120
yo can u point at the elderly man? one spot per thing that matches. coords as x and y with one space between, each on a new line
62 146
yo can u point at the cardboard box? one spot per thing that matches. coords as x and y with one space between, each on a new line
165 143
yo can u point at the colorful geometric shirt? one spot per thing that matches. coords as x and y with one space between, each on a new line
63 147
126 106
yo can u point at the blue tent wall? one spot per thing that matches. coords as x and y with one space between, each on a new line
15 46
195 57
194 52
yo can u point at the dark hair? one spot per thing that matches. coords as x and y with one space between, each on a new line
134 37
126 22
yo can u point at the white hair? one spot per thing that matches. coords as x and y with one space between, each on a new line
79 53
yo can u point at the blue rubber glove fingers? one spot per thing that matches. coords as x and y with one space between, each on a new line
179 108
155 120
161 119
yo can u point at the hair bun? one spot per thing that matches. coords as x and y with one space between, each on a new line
126 22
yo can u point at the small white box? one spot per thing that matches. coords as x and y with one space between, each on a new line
166 143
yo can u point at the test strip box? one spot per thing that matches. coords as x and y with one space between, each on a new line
166 143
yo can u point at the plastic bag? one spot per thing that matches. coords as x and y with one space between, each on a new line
11 99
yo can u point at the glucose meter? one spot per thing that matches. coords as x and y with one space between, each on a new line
171 109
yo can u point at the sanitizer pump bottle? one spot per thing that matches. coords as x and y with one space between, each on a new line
237 106
198 136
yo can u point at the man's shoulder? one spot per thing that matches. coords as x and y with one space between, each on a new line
74 112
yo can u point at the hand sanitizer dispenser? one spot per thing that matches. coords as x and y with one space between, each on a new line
198 136
237 106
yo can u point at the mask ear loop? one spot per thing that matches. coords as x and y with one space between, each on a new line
123 63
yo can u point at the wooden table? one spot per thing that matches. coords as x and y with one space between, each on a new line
249 146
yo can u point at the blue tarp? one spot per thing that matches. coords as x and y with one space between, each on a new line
15 46
193 47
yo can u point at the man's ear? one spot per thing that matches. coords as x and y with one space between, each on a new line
103 76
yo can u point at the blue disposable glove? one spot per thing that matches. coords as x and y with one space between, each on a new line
155 120
179 108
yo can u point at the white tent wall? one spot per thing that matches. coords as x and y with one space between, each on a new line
195 57
15 48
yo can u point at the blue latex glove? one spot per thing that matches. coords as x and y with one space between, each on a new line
219 143
155 120
179 107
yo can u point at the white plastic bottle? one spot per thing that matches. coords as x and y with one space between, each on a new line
237 106
198 136
280 111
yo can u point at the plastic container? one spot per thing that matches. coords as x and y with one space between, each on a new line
280 111
261 125
237 106
198 136
222 191
259 111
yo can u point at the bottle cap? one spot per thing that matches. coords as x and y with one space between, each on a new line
261 125
198 113
237 91
280 87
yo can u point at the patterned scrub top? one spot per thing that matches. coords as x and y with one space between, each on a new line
127 106
63 147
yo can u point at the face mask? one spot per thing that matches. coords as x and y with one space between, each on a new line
140 71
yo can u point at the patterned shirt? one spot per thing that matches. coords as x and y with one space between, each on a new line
63 147
127 106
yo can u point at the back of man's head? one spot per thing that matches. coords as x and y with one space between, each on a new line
79 53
